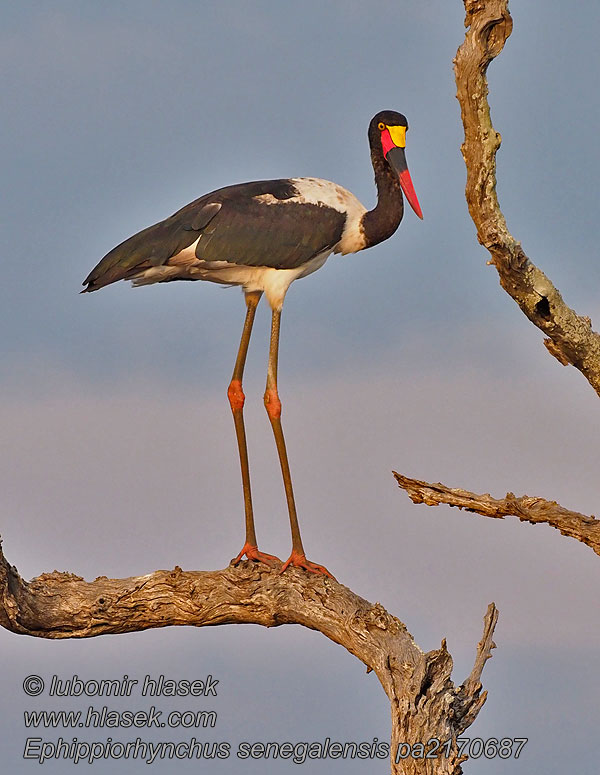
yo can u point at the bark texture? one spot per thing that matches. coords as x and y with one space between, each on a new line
570 338
424 701
526 508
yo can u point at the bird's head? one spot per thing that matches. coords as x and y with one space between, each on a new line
387 131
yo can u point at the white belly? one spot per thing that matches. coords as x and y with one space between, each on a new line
273 282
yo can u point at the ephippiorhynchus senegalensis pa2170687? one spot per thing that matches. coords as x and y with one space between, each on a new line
263 236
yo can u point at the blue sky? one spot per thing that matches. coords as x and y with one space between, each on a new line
118 453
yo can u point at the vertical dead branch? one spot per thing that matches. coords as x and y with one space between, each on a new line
570 338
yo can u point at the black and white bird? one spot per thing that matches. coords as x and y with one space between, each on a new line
262 236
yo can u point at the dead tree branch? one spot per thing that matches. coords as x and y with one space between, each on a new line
570 337
425 703
526 508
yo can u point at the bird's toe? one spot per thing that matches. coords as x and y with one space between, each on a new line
298 560
252 553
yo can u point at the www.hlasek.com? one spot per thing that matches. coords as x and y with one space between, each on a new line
103 716
79 751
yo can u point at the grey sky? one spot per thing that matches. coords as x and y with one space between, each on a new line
118 452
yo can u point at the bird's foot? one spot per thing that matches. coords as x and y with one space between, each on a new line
298 560
252 553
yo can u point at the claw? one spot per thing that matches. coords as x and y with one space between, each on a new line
298 560
252 553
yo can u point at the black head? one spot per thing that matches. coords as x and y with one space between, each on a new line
387 138
388 118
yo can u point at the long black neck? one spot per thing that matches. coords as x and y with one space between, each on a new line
381 222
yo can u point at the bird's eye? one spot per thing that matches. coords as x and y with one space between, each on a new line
381 126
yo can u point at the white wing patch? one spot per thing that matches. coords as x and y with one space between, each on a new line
323 192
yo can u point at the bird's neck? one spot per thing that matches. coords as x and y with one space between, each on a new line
381 222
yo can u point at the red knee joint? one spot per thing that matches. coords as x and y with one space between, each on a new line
235 394
272 403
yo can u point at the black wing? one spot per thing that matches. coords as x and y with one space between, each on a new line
278 234
234 226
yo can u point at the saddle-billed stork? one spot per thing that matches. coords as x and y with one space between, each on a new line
263 236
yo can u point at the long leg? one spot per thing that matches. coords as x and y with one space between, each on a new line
273 407
236 399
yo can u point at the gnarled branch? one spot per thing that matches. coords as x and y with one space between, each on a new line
425 703
570 337
526 508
